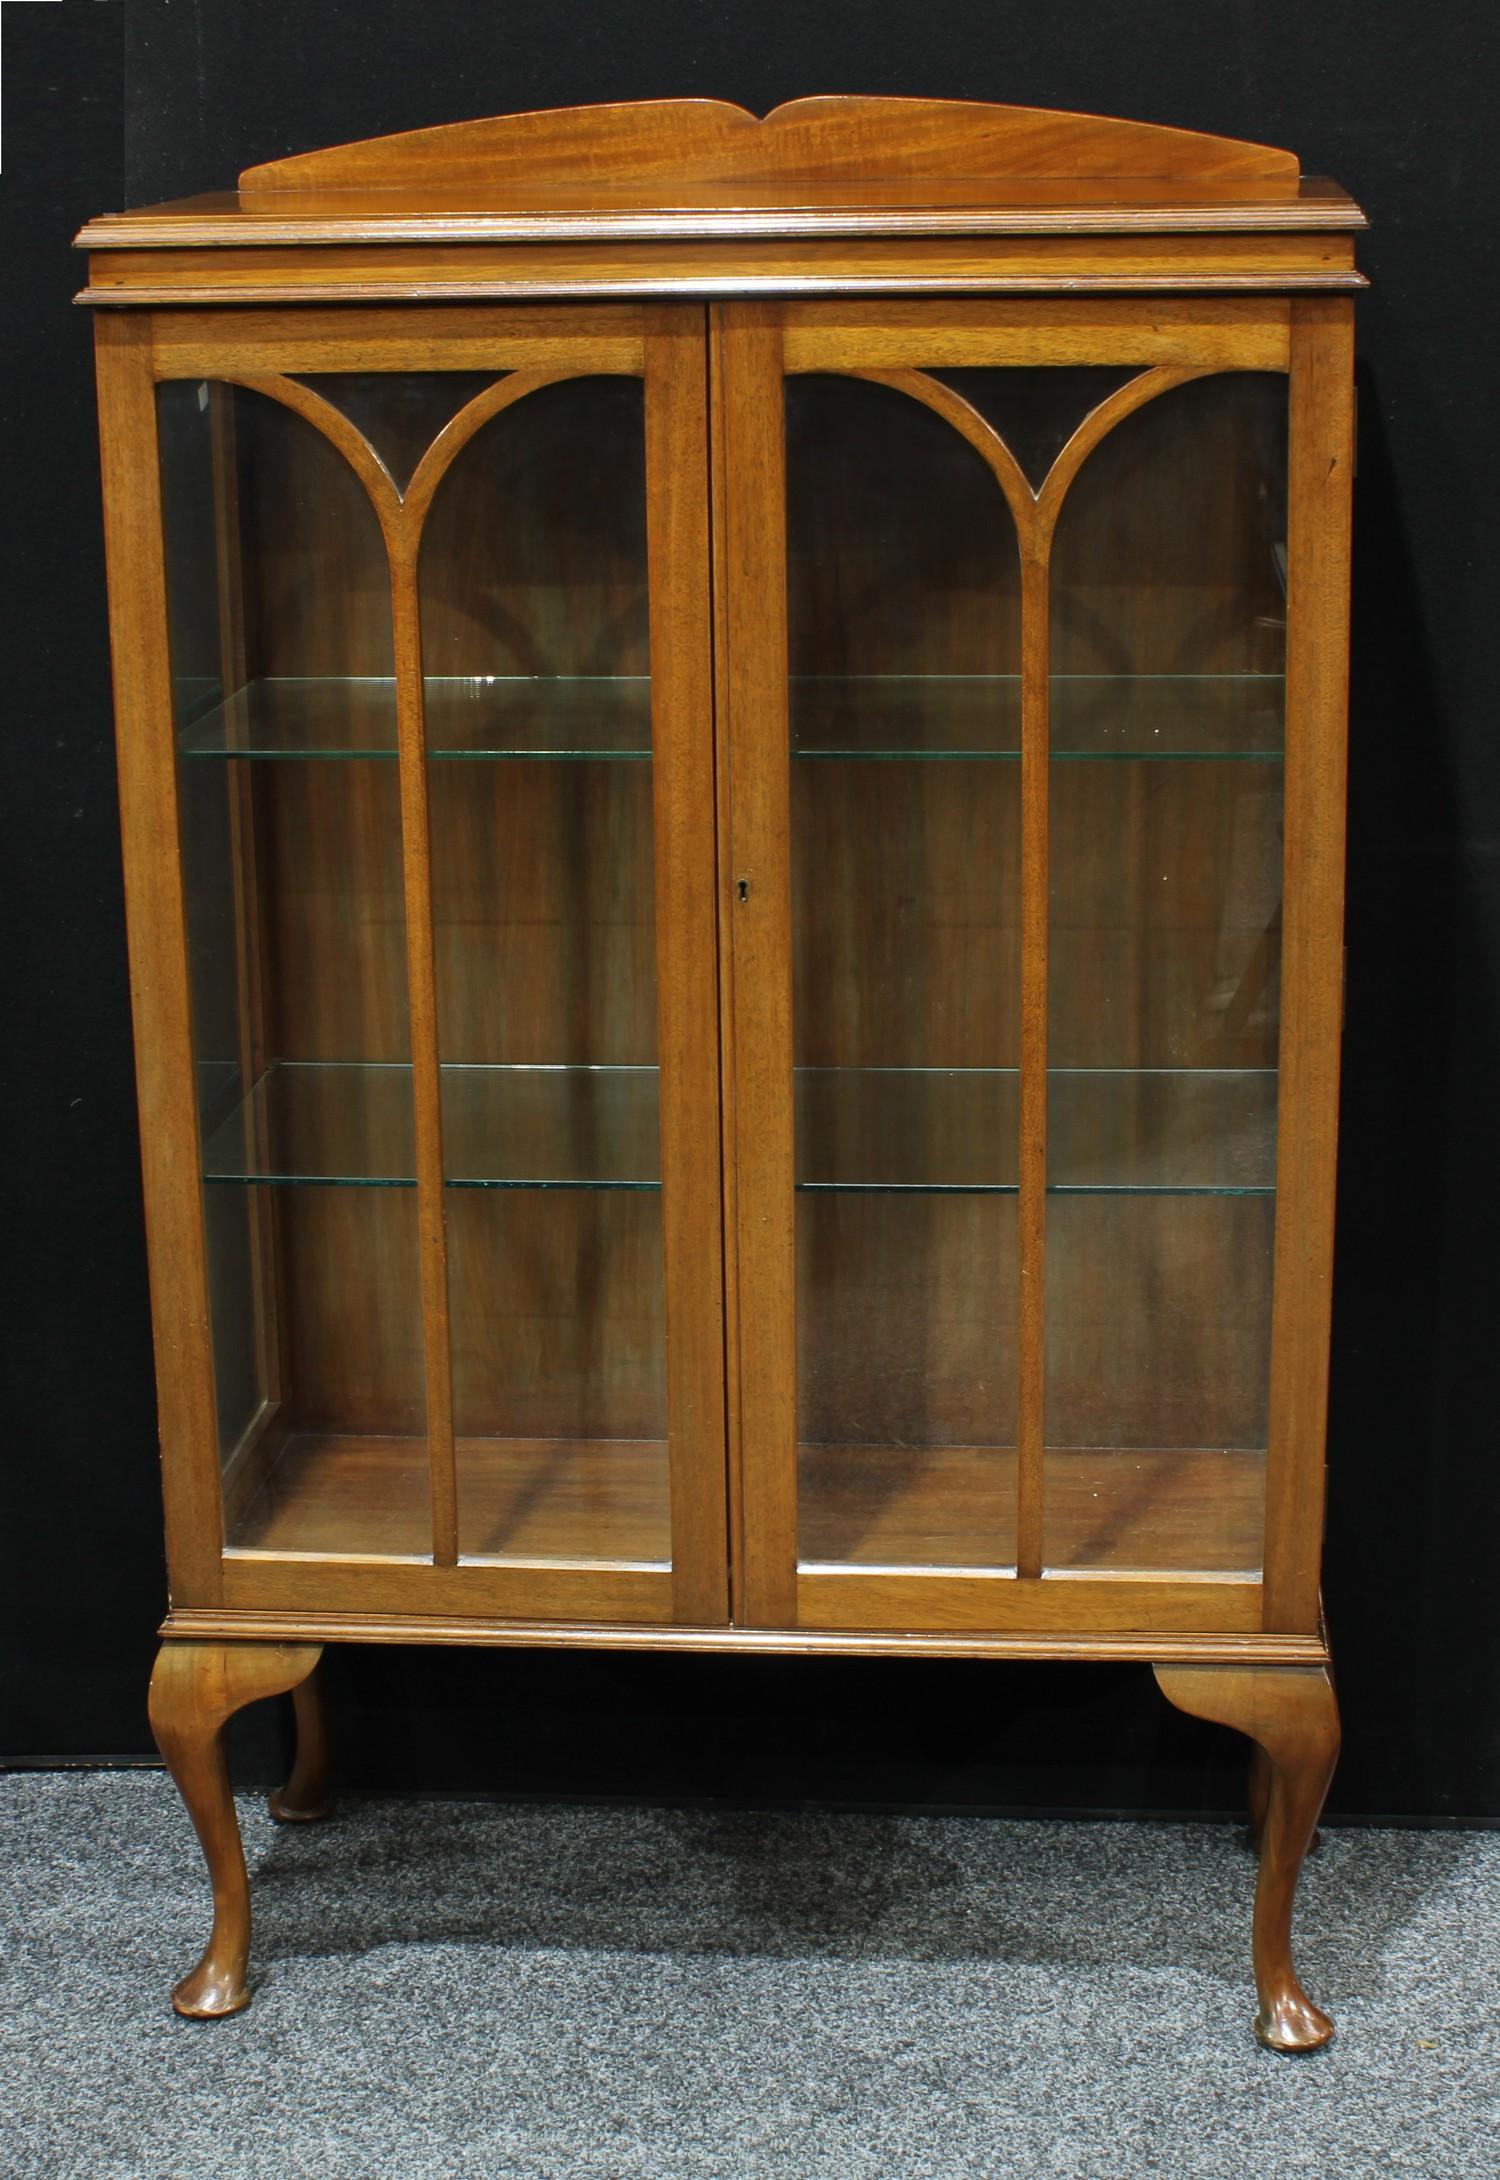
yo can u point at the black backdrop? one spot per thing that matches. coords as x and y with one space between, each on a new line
109 102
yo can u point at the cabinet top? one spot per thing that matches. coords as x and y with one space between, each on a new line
695 169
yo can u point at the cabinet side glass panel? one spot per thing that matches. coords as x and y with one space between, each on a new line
536 671
1165 860
279 614
904 635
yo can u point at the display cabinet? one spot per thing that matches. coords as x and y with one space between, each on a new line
731 754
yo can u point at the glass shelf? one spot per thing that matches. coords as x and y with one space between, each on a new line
932 717
351 1125
915 1131
468 716
915 717
1149 1131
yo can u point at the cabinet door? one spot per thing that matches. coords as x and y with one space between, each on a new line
1035 849
439 737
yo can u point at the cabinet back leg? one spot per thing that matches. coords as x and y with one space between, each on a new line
308 1793
1258 1796
1289 1712
196 1689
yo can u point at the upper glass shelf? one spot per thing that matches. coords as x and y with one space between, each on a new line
915 717
503 1127
1147 1131
917 1131
486 715
976 716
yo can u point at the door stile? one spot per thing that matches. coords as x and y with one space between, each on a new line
1321 459
757 909
682 706
1031 1209
157 931
403 539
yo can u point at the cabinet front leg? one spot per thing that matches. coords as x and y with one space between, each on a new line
195 1690
308 1793
1289 1712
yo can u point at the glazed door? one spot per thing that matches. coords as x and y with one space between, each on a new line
439 737
1032 905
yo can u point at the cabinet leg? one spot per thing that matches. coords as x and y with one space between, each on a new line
308 1794
195 1690
1290 1714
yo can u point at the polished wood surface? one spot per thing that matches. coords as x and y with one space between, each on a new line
1319 519
160 993
741 211
1035 1028
686 892
312 1623
696 196
728 903
756 885
1232 333
703 167
1061 1603
594 337
566 1499
1293 1718
563 1593
956 1506
928 1506
906 139
195 1690
307 1796
1066 263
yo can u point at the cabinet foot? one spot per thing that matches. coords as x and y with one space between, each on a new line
1289 1712
308 1793
196 1689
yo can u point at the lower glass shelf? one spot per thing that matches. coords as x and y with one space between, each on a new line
928 1131
957 1130
568 1500
1118 1510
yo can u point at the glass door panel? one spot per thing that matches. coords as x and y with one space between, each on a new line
1165 801
279 611
537 679
904 644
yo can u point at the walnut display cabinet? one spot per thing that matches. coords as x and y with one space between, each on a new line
731 742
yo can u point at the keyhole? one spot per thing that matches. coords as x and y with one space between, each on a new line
744 889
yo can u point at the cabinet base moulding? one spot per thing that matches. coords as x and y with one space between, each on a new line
209 1625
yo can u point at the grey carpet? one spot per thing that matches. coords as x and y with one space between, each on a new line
467 1991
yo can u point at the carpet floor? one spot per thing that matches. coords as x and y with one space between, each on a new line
483 1991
